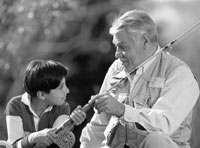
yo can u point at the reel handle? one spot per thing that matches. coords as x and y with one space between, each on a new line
66 138
69 122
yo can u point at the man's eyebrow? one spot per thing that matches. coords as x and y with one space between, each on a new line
121 43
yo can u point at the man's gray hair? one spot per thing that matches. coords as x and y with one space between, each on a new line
135 20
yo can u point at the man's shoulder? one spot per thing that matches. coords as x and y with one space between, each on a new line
172 60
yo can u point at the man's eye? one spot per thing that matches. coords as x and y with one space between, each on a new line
122 47
119 46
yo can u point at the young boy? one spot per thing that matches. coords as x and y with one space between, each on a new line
32 117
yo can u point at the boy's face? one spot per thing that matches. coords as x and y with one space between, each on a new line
58 95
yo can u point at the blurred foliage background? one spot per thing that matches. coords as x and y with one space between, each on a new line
75 32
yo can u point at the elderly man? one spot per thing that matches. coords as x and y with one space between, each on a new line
152 107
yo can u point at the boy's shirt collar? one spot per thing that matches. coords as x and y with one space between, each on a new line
26 99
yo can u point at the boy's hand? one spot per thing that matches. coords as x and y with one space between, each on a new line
42 138
78 116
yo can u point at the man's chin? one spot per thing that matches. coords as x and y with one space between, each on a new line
128 69
126 66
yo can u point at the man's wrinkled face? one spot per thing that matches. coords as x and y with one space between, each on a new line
129 50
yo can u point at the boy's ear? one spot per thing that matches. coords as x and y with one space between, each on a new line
41 95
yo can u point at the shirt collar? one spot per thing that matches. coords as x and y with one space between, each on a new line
141 69
144 67
26 99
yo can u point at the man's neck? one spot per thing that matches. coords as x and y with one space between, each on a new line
152 48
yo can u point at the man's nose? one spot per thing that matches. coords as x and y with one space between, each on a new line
118 54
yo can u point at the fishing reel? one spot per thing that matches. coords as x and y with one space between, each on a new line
65 139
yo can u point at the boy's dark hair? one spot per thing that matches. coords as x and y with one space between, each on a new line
41 75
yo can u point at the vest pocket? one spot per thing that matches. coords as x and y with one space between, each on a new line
148 99
154 95
141 102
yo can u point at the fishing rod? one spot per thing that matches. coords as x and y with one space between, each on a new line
168 46
66 139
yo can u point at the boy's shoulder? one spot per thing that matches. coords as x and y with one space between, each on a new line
14 105
15 100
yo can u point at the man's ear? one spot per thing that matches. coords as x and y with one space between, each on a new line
146 40
41 95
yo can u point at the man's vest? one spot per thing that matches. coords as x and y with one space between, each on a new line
145 93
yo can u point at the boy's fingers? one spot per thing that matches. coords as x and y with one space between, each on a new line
78 107
78 116
78 113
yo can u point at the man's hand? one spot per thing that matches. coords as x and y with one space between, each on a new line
107 103
78 116
42 138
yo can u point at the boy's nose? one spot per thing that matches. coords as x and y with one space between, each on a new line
66 89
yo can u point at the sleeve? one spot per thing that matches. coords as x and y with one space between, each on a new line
16 135
92 135
176 101
13 121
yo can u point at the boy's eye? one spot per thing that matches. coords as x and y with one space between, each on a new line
61 86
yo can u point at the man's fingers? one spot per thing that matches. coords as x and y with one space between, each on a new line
109 95
95 97
103 98
102 104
